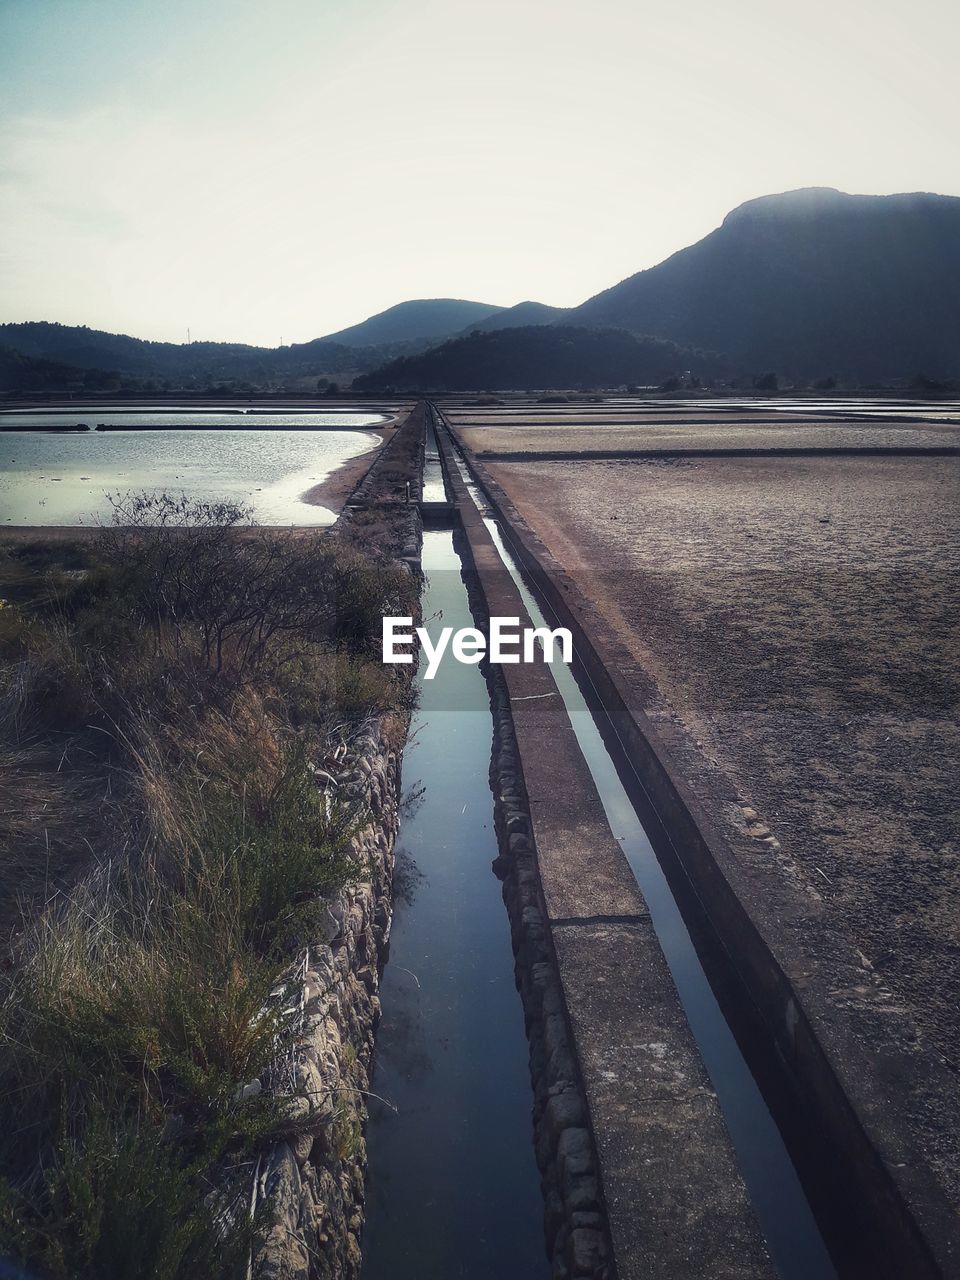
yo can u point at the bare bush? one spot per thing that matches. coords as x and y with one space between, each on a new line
248 592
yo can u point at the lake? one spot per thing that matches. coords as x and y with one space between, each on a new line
63 477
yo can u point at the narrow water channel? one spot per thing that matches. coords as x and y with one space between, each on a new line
791 1231
453 1189
434 486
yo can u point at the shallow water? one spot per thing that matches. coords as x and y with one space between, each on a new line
170 417
63 479
434 486
452 1188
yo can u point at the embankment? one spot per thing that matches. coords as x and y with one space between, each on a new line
313 1185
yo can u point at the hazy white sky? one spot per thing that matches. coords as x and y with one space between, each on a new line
262 168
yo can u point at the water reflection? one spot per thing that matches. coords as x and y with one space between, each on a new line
453 1189
54 478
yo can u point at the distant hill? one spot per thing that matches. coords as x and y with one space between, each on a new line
809 283
195 364
537 357
414 321
521 316
203 363
85 348
25 373
184 364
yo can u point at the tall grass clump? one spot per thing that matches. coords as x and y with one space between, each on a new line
166 711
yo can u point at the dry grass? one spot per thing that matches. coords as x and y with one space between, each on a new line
163 715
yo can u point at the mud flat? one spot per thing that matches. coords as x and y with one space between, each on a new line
334 491
788 625
588 438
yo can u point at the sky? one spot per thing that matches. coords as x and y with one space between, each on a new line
266 172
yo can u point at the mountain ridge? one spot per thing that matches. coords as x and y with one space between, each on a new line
414 320
808 282
811 283
520 316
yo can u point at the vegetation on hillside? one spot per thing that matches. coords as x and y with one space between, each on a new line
139 361
540 356
28 373
173 695
143 365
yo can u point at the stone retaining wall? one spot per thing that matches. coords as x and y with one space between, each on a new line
574 1217
315 1184
575 1225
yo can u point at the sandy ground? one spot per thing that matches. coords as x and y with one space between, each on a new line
333 492
799 618
733 433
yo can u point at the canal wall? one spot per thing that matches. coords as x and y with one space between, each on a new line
382 516
310 1188
313 1184
576 1229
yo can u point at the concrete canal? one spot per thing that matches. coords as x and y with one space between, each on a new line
452 1188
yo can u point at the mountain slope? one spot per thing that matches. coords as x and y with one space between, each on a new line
809 282
539 356
521 316
413 321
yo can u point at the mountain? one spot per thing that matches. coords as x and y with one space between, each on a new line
809 283
539 356
422 318
521 316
